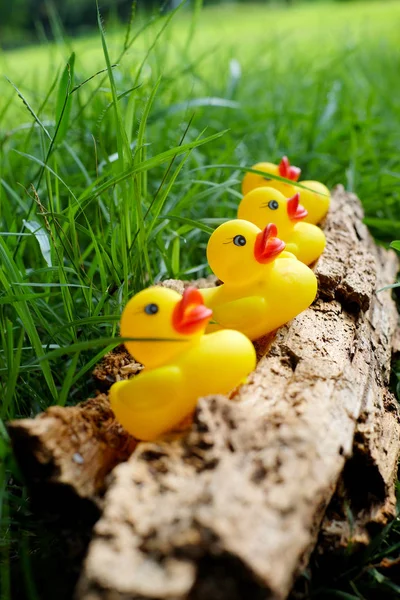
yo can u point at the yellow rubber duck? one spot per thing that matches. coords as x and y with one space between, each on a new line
267 205
315 199
264 286
181 364
284 169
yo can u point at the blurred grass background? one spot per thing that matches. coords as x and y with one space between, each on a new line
110 181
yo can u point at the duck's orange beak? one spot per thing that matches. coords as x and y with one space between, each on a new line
295 211
190 315
267 245
287 171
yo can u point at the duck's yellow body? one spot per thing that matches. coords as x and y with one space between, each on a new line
315 199
177 372
267 205
264 286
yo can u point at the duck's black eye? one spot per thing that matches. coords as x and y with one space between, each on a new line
151 309
239 240
267 178
273 204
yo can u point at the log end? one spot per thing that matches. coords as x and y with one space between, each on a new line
75 447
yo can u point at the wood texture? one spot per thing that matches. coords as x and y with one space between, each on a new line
366 486
75 447
232 509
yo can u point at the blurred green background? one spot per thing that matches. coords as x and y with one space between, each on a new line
23 21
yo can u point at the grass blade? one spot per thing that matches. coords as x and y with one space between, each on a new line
10 273
64 98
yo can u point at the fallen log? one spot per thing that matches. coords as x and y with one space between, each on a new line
233 508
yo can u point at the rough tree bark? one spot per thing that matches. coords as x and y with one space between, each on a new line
74 447
232 508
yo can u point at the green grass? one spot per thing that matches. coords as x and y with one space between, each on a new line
110 184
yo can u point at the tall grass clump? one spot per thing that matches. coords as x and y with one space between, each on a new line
120 152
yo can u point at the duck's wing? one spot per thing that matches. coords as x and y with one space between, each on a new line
291 288
310 241
150 403
236 314
210 295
